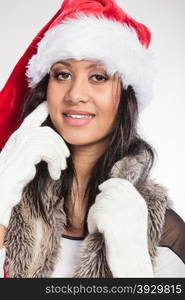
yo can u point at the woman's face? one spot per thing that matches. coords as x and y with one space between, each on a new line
82 100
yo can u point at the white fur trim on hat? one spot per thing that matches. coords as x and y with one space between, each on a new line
115 45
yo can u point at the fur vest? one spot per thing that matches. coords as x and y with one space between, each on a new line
32 246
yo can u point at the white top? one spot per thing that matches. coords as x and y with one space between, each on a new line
168 264
68 257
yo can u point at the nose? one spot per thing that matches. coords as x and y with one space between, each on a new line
78 91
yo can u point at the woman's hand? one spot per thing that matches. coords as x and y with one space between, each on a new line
26 147
120 214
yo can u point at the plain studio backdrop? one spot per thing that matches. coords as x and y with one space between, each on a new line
162 124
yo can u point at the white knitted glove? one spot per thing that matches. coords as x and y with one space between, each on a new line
26 147
120 214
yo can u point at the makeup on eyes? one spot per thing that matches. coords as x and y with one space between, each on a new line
57 71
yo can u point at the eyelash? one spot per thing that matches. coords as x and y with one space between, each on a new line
57 74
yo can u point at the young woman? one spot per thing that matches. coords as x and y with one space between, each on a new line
76 197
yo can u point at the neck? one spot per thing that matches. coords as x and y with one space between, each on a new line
85 157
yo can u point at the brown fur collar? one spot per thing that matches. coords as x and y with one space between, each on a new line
32 246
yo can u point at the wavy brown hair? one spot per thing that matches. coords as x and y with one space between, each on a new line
124 140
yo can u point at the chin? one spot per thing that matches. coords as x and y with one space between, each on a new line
84 140
75 137
79 141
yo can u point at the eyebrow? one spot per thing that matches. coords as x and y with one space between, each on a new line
88 67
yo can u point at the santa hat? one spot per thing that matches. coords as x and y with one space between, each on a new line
82 29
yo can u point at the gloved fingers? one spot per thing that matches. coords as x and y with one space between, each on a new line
36 118
55 147
55 168
107 208
23 136
22 166
118 187
57 161
114 183
53 155
99 219
58 139
36 141
24 133
48 135
124 202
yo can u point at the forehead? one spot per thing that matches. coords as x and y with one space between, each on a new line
81 63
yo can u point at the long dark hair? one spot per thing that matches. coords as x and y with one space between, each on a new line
124 141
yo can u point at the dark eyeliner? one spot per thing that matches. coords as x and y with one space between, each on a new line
105 77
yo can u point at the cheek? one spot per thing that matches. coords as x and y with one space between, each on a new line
109 102
52 95
108 110
54 100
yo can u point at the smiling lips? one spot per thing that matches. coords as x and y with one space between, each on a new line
78 118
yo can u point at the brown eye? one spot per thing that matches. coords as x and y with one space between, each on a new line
61 75
99 77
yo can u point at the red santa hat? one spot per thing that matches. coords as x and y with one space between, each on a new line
82 29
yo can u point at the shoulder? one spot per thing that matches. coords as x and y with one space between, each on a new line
173 234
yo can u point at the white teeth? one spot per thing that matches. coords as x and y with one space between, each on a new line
79 116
